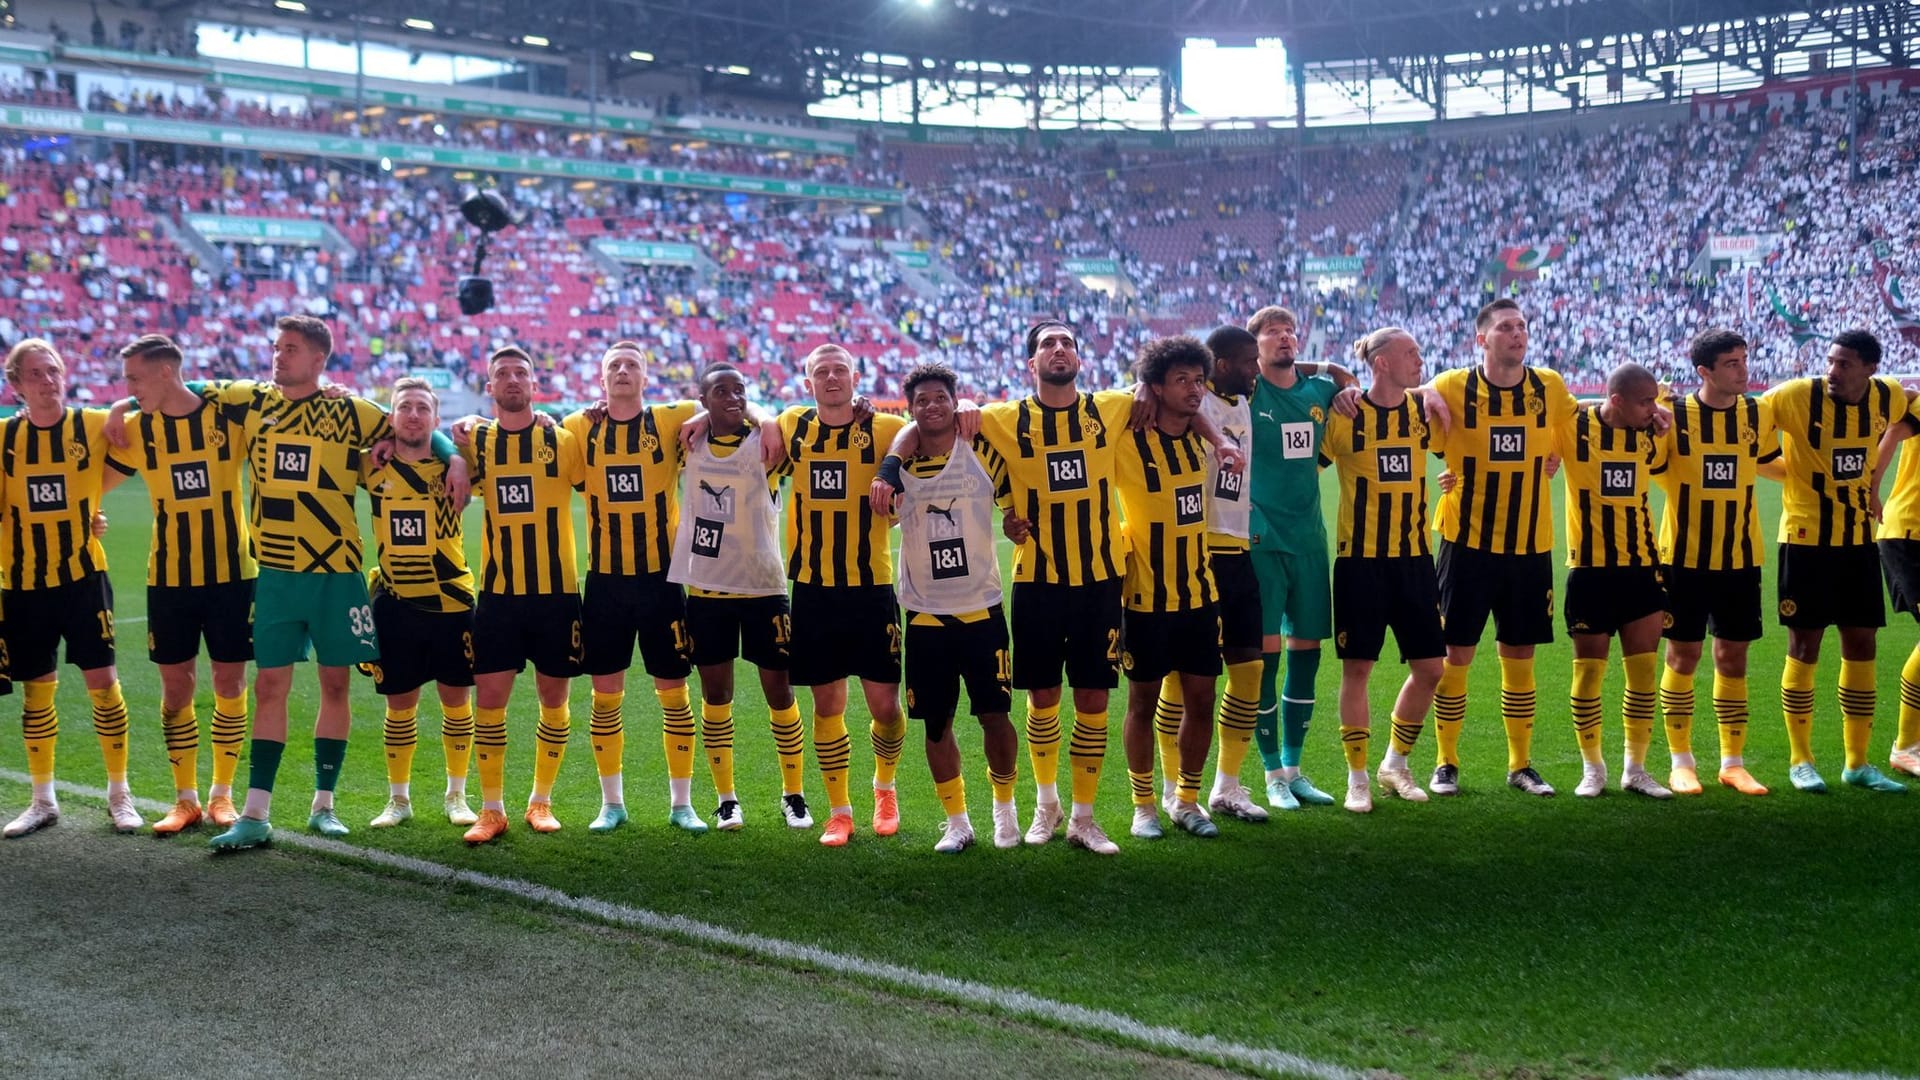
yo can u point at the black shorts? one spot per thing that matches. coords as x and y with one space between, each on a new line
1830 586
510 632
1072 626
1900 562
940 657
617 609
418 646
1723 602
38 620
1374 595
759 628
1517 590
1602 599
844 631
6 661
1157 644
1239 599
178 616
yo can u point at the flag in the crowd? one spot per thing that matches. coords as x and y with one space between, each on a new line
1529 258
1905 316
1802 329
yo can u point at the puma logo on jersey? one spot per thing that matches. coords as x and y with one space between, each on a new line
719 497
945 512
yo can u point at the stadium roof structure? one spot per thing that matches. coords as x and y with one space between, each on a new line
799 45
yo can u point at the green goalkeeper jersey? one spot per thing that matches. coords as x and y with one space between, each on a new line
1285 474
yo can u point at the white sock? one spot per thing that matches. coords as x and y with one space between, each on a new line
1737 761
1356 777
1289 773
118 787
1395 760
1009 806
1047 794
1082 811
403 790
456 787
322 800
728 796
1683 761
832 810
1277 774
1629 766
43 792
187 794
494 804
878 786
258 804
1167 788
679 790
959 822
613 789
1222 783
218 790
1140 813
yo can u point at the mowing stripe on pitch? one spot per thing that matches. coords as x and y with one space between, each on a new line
1073 1018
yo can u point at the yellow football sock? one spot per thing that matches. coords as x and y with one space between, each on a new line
833 749
607 732
1239 713
110 724
1353 743
549 749
1636 703
1043 742
180 730
1450 712
888 736
716 734
456 737
1676 710
1909 732
1166 724
40 724
1187 788
1141 785
1088 751
676 731
1583 701
953 795
229 734
1796 707
790 743
1730 714
401 734
1856 709
490 752
1003 784
1403 735
1516 710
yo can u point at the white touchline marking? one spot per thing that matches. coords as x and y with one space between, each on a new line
1061 1014
1772 1074
118 621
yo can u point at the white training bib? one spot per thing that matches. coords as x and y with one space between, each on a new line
947 562
728 539
1228 509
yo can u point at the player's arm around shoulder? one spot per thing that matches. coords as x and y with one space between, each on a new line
572 459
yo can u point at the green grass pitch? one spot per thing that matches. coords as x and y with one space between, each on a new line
1490 934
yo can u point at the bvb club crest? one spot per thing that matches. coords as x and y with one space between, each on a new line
1319 414
544 455
1093 428
649 444
77 450
1788 609
216 440
1879 425
437 490
1535 406
860 439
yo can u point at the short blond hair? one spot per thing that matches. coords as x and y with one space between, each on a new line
1370 346
19 353
806 366
412 382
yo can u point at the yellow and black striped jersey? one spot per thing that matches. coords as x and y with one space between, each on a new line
833 535
1710 521
191 465
52 488
1060 465
1829 450
1497 447
1900 517
1162 482
1381 456
304 463
420 557
1609 471
633 487
527 479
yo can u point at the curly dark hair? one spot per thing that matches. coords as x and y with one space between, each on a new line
1161 355
1862 342
933 372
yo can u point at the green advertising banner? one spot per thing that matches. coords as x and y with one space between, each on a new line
296 142
223 227
652 252
1090 266
720 131
1321 265
919 260
437 377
